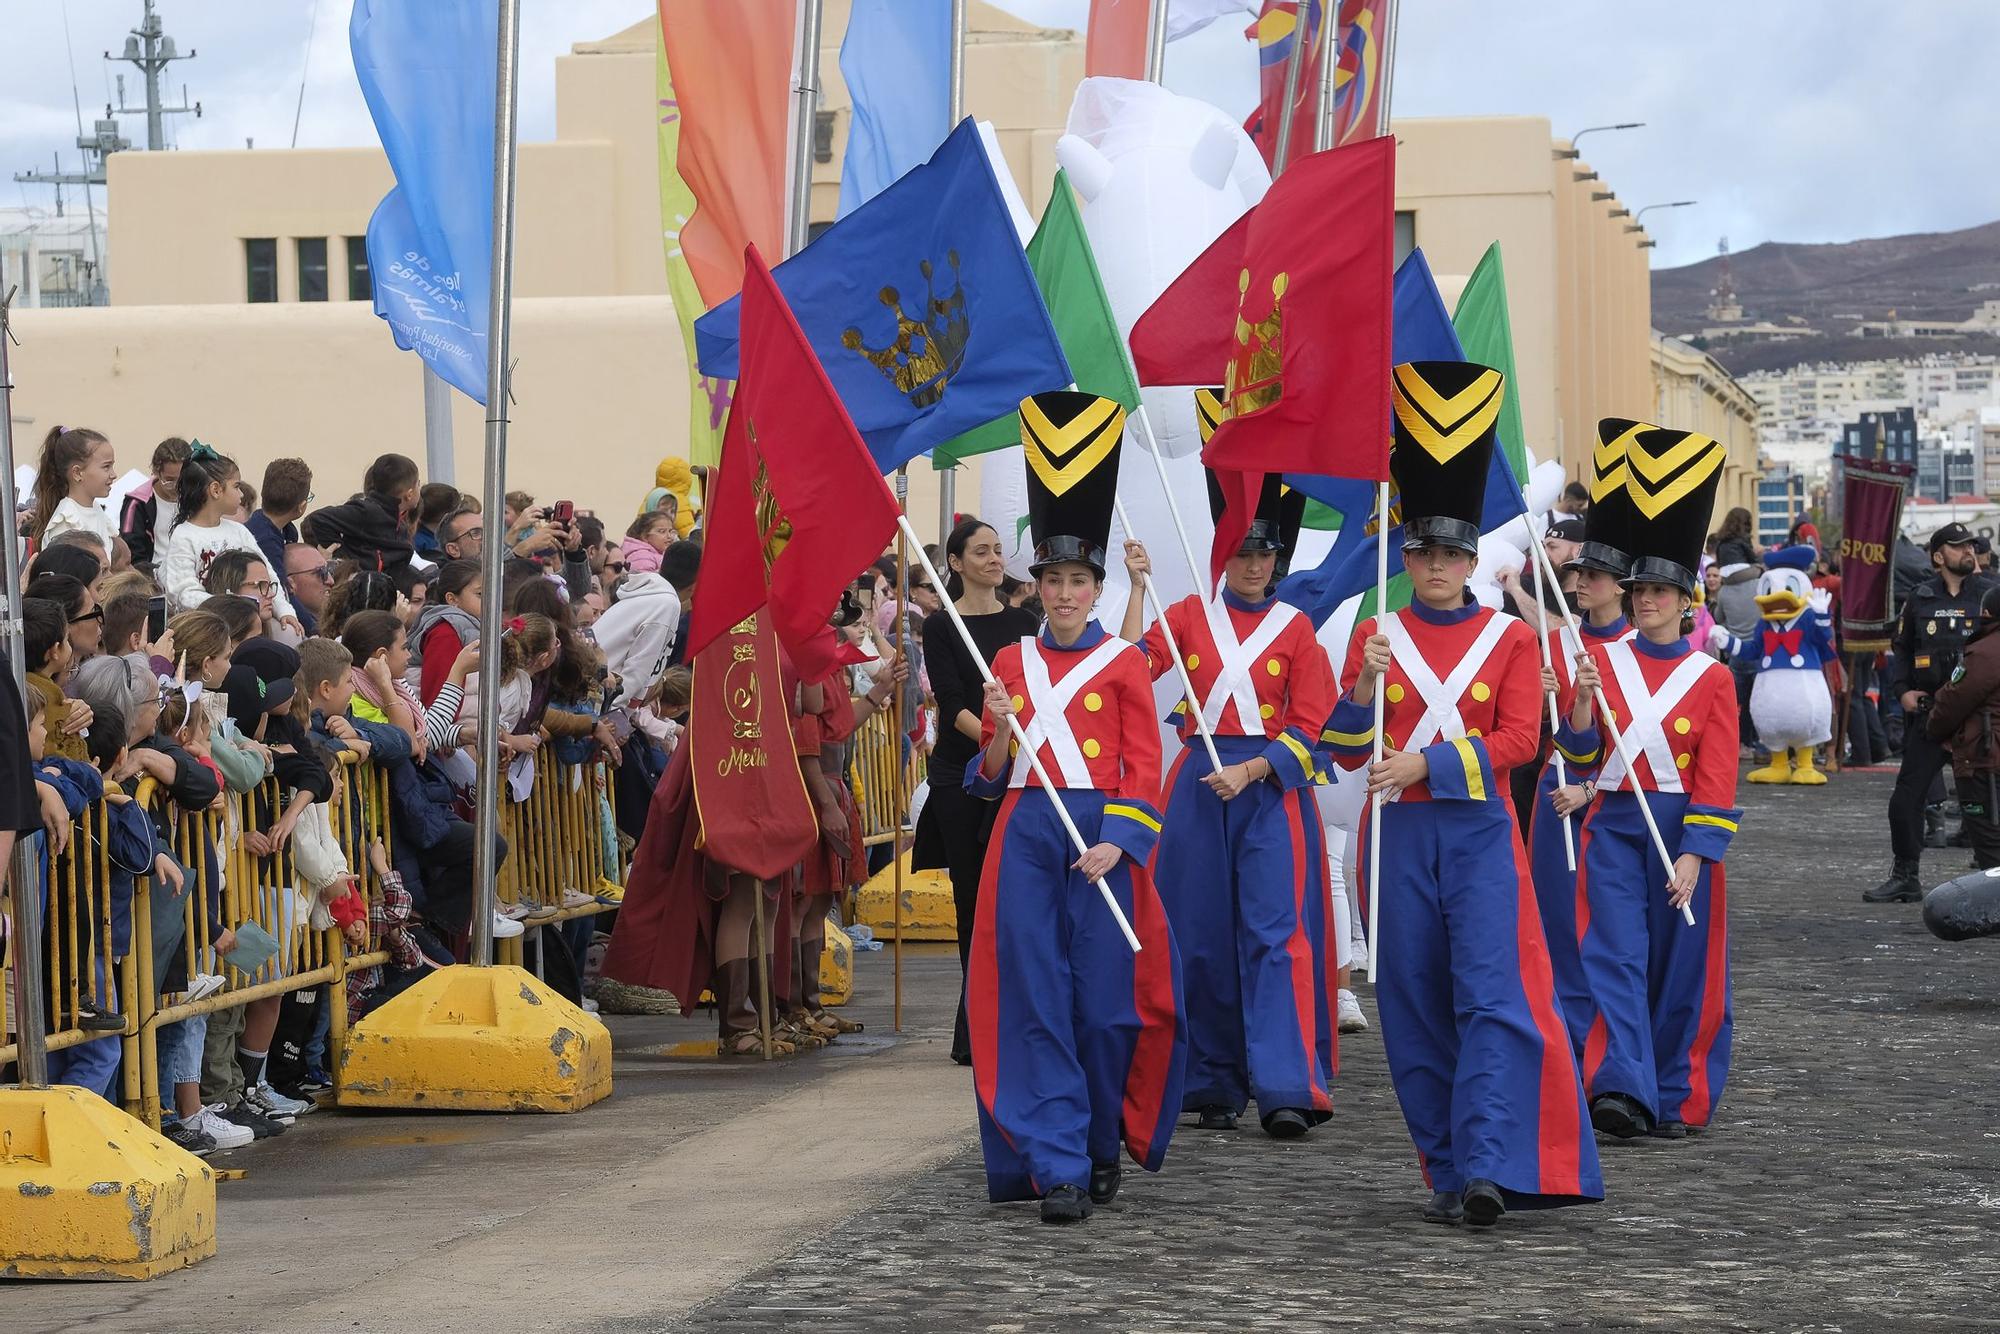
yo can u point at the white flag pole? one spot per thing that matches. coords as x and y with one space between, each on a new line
1174 650
1020 733
1375 802
1617 737
1555 720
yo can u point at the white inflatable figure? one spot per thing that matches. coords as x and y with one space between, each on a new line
1789 701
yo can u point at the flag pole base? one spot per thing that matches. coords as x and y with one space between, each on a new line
94 1194
473 1039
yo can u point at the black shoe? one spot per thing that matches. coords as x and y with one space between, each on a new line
95 1019
1483 1205
197 1142
1065 1204
961 1058
1105 1178
1445 1207
1670 1130
1286 1123
1902 886
1216 1118
1616 1115
263 1127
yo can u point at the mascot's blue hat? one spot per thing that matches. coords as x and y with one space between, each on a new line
1800 557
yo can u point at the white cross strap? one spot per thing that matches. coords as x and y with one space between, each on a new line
1234 683
1050 724
1644 730
1441 720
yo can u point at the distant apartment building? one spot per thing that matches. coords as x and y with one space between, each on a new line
1782 496
1886 435
1989 451
54 258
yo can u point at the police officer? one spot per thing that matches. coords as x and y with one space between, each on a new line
1938 617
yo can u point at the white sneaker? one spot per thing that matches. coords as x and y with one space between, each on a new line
282 1104
505 927
589 1006
576 898
226 1134
1351 1018
256 1100
513 912
203 985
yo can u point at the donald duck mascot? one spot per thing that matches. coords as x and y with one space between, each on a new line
1789 701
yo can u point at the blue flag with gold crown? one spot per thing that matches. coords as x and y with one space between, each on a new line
920 305
1420 330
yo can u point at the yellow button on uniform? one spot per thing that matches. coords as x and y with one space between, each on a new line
1481 691
1271 666
1013 748
1090 748
1682 725
1472 731
1194 661
1681 761
1395 694
1016 702
1265 711
1093 701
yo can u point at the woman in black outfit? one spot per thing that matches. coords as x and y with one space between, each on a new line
952 831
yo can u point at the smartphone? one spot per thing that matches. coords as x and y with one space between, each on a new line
156 619
565 512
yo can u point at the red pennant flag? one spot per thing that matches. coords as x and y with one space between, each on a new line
790 456
1276 32
1240 493
1308 375
1185 335
1115 41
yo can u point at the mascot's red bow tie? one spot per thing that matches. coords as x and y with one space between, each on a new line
1788 640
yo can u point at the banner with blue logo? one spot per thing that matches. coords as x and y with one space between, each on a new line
920 305
428 72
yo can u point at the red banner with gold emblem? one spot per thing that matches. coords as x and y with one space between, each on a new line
755 814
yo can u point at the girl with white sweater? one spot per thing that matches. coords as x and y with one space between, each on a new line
76 471
200 534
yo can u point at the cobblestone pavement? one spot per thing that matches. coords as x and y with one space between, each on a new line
1852 1181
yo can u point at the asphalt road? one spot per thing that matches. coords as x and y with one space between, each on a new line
1852 1181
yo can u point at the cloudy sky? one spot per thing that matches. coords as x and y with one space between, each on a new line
1793 120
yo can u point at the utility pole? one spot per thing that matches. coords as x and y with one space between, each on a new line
149 48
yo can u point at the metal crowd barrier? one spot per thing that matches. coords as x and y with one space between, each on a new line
878 749
554 842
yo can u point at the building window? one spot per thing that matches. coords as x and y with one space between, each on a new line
260 262
312 268
822 136
813 231
360 284
1406 234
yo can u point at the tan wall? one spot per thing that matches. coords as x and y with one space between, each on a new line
1691 392
325 383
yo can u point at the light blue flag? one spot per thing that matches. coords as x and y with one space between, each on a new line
920 305
896 59
428 73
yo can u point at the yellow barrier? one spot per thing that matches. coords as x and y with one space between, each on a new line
553 845
871 772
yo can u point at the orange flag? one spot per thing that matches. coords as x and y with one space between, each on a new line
1115 43
731 63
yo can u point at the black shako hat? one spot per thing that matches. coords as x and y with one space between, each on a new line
1607 524
1445 416
1671 477
1280 509
1071 441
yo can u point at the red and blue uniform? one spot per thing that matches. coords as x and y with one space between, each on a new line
1471 1023
1660 1024
1077 1043
1244 881
1555 882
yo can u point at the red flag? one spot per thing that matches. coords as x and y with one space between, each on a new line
1365 43
1184 337
1276 32
1115 42
1240 492
790 456
1307 385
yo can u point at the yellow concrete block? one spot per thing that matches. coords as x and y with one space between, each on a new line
836 967
477 1040
928 910
88 1192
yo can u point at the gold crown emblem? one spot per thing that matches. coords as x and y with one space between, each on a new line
1255 378
925 352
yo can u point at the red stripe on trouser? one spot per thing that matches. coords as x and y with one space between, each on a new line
1166 796
1154 1001
1714 999
1330 964
1299 948
1560 1120
1598 1040
982 983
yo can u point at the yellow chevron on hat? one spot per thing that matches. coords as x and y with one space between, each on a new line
1664 465
1211 409
1445 423
1063 455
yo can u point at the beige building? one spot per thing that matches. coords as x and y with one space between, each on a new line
240 287
1693 393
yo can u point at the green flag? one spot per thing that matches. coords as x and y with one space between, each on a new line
1487 337
1066 271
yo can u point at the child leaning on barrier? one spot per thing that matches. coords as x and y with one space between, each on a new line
75 784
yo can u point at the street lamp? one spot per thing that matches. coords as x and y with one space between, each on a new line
1633 226
1571 151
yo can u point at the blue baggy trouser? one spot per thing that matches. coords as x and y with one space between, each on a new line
1555 895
